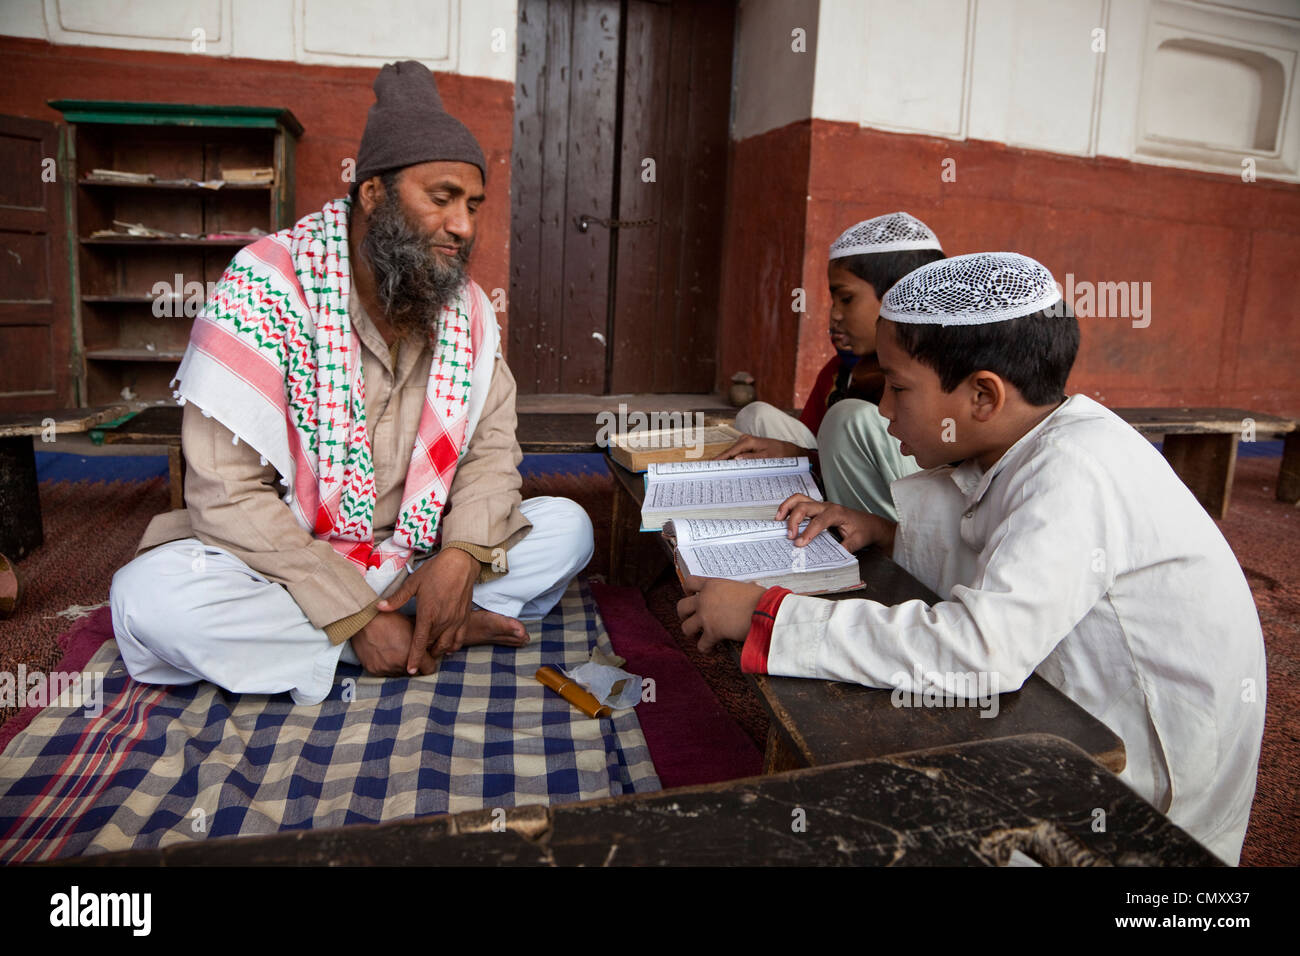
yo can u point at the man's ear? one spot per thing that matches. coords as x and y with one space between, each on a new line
988 394
370 194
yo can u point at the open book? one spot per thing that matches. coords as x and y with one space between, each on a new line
759 551
637 450
739 488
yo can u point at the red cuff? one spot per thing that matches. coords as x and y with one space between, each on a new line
753 658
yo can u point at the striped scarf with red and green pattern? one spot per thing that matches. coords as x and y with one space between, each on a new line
275 359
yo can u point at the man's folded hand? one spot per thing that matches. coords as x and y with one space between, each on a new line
442 588
384 646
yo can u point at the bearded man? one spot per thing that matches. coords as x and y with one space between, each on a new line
351 359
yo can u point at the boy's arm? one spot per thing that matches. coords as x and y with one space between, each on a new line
1045 565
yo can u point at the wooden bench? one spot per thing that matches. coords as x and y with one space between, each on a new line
1201 446
20 501
970 805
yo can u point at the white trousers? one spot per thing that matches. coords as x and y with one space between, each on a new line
178 620
767 421
860 459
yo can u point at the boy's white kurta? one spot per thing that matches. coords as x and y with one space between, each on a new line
1082 556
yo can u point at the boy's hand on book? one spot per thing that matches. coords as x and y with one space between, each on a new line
751 446
857 528
716 609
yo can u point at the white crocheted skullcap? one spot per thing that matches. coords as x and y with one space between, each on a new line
974 289
888 233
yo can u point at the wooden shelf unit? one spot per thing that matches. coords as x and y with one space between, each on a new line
134 299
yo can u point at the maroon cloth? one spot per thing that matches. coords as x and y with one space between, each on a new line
407 125
869 388
814 409
692 738
79 645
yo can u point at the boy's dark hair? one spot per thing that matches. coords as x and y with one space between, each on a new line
883 269
1034 353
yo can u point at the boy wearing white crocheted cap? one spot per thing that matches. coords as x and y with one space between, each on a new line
840 422
1060 541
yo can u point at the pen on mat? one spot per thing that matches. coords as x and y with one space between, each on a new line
573 692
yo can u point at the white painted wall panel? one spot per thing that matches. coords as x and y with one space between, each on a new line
144 19
473 37
173 26
397 29
1035 77
893 64
23 18
772 84
1121 78
915 57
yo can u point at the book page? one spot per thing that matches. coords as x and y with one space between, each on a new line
721 492
715 530
710 467
765 556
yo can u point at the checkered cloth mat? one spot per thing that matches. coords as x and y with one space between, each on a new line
161 766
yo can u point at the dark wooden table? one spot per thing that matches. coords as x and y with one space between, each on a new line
817 722
969 805
21 531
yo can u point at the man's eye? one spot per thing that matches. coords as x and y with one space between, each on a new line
438 198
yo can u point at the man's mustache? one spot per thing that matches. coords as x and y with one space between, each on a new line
462 249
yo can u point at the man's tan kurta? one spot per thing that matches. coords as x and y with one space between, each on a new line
233 499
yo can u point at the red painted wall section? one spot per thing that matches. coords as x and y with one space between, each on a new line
1220 256
764 261
331 103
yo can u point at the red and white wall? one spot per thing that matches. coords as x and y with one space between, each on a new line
316 58
1111 140
1001 123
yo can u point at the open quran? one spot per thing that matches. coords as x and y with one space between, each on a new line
739 488
759 551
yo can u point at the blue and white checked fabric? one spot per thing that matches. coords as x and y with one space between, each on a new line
161 766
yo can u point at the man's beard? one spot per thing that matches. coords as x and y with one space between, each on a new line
412 282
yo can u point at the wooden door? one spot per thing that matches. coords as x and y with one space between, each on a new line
621 112
36 322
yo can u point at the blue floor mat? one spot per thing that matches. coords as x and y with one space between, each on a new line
61 466
575 464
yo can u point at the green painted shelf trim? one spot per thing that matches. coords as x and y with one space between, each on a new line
177 114
97 433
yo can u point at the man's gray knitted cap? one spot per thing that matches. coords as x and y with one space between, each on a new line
407 125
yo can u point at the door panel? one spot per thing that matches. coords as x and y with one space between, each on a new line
629 305
676 103
35 312
562 166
